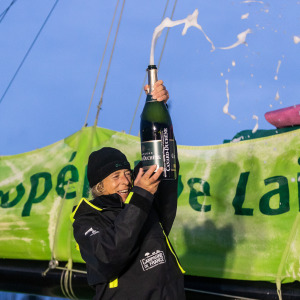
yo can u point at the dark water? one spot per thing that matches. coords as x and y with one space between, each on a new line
16 296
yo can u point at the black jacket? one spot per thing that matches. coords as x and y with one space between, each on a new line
125 246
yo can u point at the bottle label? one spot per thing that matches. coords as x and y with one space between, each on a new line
168 153
152 154
161 153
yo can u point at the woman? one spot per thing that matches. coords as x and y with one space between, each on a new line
122 233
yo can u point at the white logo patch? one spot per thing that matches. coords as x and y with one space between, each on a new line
153 260
92 231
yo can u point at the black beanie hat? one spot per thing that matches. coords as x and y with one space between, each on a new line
103 162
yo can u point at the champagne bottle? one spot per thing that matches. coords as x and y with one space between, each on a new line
156 131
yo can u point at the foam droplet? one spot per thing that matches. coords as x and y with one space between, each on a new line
225 108
296 39
277 96
241 40
277 70
256 125
252 1
245 16
233 63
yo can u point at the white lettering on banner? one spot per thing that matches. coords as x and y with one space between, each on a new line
153 260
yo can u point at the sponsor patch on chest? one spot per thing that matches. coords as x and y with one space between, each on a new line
153 260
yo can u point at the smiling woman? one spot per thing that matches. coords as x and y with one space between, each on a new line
122 233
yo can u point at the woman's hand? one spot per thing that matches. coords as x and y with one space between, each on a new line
149 181
160 92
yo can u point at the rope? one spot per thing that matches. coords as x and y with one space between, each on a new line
3 14
285 254
160 58
63 269
66 282
142 89
113 20
53 263
107 71
57 221
28 51
165 41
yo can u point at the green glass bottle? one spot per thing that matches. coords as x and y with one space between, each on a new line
156 131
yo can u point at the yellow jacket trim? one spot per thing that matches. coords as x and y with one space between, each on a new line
169 245
87 202
77 247
128 198
113 283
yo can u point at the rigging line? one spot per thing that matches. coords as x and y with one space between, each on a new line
166 37
3 14
113 20
53 256
28 51
70 266
139 99
107 71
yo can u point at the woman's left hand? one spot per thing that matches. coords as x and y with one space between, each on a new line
160 92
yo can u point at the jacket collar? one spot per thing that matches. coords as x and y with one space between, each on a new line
108 201
98 204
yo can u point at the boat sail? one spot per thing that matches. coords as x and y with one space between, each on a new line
237 219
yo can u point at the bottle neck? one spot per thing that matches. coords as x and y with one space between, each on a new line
152 77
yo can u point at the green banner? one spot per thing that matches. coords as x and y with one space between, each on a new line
238 212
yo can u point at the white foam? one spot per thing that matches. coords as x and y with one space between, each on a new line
277 96
241 40
17 174
225 108
236 140
245 16
189 21
277 70
252 1
296 39
233 63
256 125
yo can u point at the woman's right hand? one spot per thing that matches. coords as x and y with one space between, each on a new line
149 180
